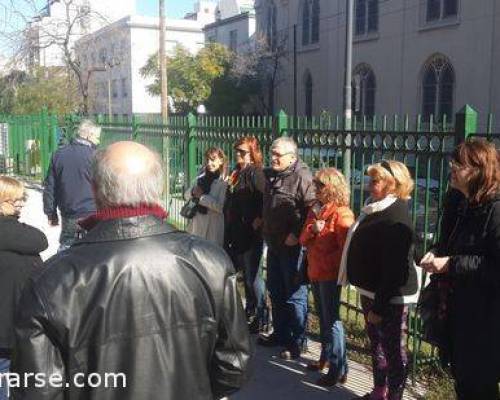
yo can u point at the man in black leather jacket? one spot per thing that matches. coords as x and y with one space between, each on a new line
136 297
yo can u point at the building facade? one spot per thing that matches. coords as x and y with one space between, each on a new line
234 32
116 53
426 57
49 29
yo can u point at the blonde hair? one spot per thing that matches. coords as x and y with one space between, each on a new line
396 176
335 187
10 190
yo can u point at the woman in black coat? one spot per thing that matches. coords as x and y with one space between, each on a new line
378 259
20 246
243 239
468 256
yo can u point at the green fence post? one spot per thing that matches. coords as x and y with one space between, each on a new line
44 141
191 148
465 123
135 128
281 125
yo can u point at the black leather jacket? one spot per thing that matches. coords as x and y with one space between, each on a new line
134 296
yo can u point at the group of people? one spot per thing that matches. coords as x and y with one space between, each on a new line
130 293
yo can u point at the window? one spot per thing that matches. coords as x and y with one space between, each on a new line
233 40
366 17
124 87
441 9
310 21
308 88
438 82
363 91
272 27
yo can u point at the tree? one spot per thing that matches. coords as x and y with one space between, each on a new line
27 31
191 78
9 85
259 69
47 87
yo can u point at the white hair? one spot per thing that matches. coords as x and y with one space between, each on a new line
118 187
287 143
88 130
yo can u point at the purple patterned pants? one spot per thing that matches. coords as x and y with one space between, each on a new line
388 348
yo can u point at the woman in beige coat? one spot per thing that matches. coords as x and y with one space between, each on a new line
209 191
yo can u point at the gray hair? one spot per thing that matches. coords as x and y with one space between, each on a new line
88 130
287 143
114 187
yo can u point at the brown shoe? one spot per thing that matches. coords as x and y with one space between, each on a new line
319 365
329 380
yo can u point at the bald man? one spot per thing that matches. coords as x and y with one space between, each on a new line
135 310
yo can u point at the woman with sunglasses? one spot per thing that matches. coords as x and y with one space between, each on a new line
324 235
379 261
243 224
468 259
20 246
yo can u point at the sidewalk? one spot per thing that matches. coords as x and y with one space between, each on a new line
272 377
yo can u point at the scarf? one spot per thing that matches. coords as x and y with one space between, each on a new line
106 214
369 208
205 181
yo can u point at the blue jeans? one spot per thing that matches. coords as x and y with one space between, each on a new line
333 348
4 368
70 231
289 299
254 284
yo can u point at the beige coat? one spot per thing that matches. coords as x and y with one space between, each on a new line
210 225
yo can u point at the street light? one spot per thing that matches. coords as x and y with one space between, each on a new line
108 65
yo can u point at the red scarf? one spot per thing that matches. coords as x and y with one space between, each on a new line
106 214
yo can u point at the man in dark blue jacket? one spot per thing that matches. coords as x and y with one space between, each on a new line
67 185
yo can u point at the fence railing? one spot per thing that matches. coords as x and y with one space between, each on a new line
322 142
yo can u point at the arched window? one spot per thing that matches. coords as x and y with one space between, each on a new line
308 88
310 22
272 29
366 16
438 82
363 91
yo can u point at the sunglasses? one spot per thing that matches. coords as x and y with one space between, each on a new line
318 184
242 152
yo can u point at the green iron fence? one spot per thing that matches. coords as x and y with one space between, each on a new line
182 141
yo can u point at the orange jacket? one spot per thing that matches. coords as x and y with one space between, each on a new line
324 250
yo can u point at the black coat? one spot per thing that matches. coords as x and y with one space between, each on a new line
68 185
20 245
287 197
381 255
138 297
474 302
243 206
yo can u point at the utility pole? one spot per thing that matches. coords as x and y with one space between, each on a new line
348 86
163 64
164 101
295 70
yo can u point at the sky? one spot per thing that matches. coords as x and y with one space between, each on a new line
174 8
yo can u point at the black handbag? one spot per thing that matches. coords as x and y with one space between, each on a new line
189 209
433 310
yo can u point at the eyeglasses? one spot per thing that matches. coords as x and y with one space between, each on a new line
278 155
242 152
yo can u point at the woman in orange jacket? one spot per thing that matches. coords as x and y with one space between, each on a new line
324 235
